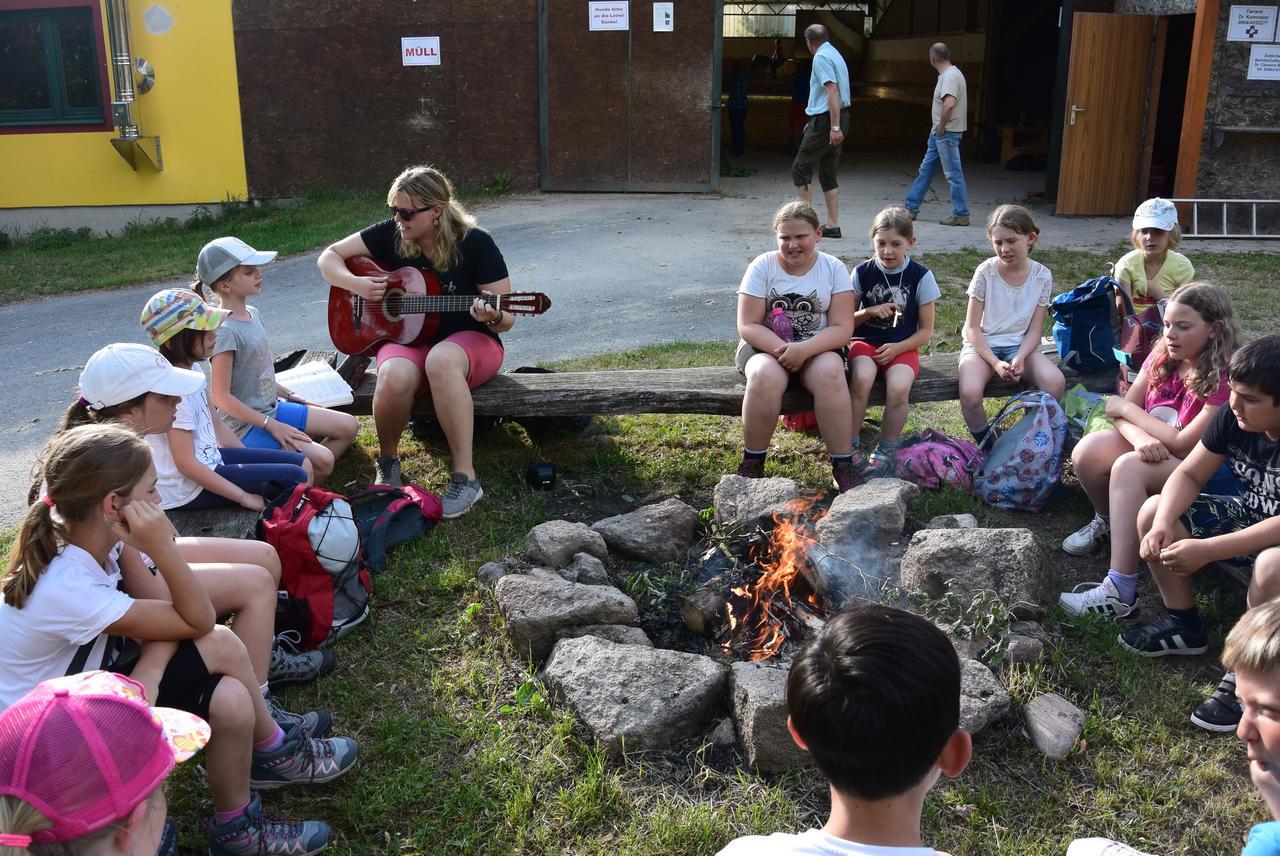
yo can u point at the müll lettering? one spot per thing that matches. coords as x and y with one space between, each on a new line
420 51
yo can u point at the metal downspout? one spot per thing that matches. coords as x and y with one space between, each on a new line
130 143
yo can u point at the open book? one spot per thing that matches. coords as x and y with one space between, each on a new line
318 383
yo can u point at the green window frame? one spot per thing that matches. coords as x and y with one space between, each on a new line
66 43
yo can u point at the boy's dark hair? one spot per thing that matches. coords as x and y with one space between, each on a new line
1257 364
875 697
180 349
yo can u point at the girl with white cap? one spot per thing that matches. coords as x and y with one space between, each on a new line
262 413
1152 270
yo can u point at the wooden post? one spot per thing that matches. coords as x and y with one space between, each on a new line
1197 101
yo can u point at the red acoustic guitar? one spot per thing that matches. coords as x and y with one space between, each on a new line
409 310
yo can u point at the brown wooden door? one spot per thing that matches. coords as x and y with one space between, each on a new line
1106 95
630 109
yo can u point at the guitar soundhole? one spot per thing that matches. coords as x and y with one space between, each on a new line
392 305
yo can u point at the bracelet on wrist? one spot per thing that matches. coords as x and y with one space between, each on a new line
266 420
502 313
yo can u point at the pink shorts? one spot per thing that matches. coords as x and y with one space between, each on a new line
859 348
484 356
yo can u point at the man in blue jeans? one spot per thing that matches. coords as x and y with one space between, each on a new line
950 118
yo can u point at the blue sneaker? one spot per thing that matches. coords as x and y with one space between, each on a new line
251 834
1163 638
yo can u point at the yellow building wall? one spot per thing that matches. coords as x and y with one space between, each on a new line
194 108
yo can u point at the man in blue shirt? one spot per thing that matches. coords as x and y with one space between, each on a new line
828 112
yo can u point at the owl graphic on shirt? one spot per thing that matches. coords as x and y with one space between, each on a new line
804 310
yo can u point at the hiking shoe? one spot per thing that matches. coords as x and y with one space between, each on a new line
878 465
291 666
1088 538
1220 711
316 723
832 232
388 472
956 220
913 212
845 475
1164 637
302 760
461 495
251 834
751 468
1097 599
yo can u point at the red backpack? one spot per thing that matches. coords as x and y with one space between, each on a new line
316 535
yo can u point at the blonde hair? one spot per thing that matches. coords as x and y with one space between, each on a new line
895 218
427 186
1014 217
212 298
81 467
1175 237
1253 645
80 413
797 210
1213 304
18 817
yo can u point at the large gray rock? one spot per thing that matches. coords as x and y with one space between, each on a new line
618 633
855 539
590 570
633 698
555 542
535 608
654 533
1054 724
1007 562
744 503
983 699
760 710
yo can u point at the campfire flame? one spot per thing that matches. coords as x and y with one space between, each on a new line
765 614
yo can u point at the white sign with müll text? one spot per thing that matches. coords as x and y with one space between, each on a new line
1252 24
420 50
609 15
1264 62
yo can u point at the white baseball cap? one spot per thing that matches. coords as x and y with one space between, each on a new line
1155 214
122 372
221 255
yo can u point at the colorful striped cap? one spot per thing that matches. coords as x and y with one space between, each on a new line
176 309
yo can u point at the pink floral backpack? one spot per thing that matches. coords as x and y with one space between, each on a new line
933 459
1024 461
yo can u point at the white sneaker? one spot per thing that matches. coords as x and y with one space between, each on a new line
1088 538
1097 598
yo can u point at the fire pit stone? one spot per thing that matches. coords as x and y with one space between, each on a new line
1007 562
536 606
760 711
588 570
952 521
983 699
631 697
620 634
742 503
556 542
655 533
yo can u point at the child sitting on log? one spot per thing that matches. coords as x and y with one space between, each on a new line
875 699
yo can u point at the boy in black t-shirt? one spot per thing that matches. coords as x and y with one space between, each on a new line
1182 530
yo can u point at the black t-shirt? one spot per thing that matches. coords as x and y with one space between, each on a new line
479 262
1254 458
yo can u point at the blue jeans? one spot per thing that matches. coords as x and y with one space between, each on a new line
942 151
266 472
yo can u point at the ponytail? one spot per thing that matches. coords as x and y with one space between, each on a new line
197 285
80 468
19 817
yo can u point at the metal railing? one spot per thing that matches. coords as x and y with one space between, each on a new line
1269 229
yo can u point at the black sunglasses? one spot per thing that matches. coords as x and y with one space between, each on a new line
406 214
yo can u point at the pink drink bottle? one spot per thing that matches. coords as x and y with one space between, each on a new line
781 324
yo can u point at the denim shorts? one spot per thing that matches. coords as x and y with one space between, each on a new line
1002 352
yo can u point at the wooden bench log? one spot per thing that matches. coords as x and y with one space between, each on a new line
715 390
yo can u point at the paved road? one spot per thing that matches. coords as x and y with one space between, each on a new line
622 271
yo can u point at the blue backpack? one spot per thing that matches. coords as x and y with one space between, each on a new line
1024 460
1082 327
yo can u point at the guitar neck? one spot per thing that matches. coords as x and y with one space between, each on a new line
429 304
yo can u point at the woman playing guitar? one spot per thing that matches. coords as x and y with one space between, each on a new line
431 231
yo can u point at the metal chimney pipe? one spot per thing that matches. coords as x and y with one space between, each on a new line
121 68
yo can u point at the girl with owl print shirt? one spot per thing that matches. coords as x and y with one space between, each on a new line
795 317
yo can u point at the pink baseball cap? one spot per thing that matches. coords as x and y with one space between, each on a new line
86 749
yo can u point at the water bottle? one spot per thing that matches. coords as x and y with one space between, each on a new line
781 324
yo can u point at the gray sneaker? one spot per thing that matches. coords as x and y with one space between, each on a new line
461 495
314 722
251 834
291 666
388 472
302 760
